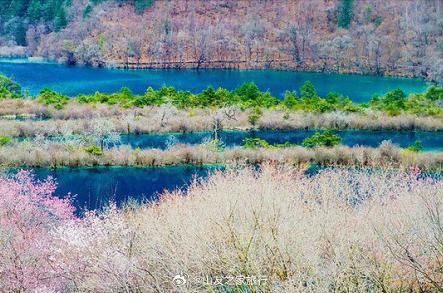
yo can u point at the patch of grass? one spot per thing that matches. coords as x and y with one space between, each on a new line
93 150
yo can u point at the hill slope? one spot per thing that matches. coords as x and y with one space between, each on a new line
377 36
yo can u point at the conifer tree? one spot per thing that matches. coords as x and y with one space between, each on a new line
60 20
345 13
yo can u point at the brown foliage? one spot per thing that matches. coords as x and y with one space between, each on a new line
385 37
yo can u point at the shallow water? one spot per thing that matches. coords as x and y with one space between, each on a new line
76 80
431 141
93 188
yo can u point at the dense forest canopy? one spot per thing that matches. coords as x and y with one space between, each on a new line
364 36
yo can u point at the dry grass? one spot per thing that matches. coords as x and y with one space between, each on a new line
51 154
77 118
339 231
339 120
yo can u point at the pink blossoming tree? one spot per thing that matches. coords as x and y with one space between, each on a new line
28 214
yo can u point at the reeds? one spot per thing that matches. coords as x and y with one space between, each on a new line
53 154
77 118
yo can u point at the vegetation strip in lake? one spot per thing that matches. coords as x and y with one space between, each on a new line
168 110
247 95
428 140
59 155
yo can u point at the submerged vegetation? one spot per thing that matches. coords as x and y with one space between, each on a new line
416 147
254 143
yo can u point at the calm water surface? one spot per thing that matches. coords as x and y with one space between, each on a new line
76 80
93 188
430 140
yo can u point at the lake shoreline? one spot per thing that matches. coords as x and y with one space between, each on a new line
216 65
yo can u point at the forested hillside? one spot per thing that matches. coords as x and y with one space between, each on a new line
364 36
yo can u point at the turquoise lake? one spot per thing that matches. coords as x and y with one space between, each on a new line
71 80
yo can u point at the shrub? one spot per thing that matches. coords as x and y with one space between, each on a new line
253 143
308 91
10 86
94 150
396 102
290 100
6 94
49 97
4 140
416 147
434 93
393 102
255 115
249 96
327 139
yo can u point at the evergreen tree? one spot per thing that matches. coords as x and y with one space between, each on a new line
34 11
50 8
18 7
308 91
87 11
20 35
141 5
345 13
60 20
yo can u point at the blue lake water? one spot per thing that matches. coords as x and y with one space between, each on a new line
430 140
93 188
76 80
